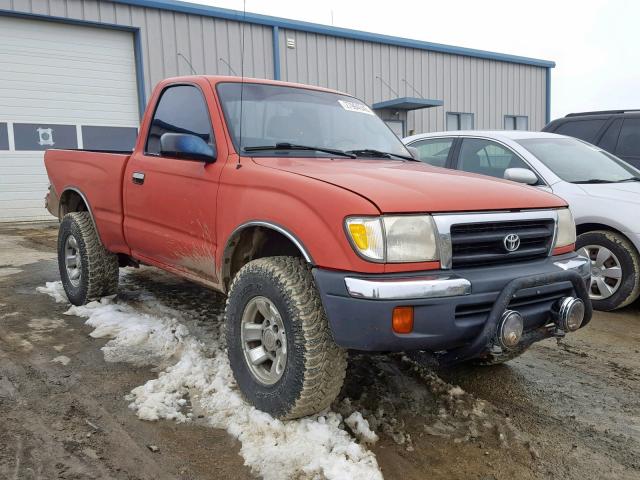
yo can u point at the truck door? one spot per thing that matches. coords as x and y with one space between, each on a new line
170 203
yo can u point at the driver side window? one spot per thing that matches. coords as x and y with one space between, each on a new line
181 109
486 157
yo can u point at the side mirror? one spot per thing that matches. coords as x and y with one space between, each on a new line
187 146
414 152
521 175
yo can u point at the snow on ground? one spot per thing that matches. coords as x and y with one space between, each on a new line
360 427
54 290
153 334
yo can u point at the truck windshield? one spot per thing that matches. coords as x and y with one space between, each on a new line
577 162
274 115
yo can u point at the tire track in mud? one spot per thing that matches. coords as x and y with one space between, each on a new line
583 416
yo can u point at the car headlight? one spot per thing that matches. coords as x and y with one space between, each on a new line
566 234
395 239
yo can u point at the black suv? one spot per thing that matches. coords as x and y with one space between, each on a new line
616 131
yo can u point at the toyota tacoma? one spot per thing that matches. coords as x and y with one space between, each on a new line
325 234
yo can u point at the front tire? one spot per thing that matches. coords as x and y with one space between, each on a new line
615 279
280 346
88 271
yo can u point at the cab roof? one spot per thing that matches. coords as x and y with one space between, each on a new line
215 79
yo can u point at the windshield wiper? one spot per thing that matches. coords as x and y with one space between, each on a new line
595 180
293 146
370 152
630 179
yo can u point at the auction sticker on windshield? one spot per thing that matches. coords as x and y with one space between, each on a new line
355 107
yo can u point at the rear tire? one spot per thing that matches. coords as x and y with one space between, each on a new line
88 271
314 366
623 256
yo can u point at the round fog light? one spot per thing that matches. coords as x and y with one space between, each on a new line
510 329
571 314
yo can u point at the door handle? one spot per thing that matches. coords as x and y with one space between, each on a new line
137 178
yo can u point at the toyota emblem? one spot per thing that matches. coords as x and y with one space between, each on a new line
511 242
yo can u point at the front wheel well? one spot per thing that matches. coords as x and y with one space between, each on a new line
592 227
599 227
255 242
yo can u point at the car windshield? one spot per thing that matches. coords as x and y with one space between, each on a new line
291 118
577 162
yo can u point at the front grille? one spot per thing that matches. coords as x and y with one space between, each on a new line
475 244
483 309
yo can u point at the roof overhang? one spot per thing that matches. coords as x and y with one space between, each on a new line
407 103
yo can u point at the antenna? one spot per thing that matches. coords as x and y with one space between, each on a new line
388 86
228 65
244 23
193 71
412 88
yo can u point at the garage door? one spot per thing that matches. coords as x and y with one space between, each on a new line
61 86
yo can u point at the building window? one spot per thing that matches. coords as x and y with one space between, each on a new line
4 137
459 121
117 139
41 136
516 122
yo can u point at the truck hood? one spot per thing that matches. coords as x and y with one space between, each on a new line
398 186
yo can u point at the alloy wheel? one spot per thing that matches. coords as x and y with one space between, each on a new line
264 341
606 272
73 260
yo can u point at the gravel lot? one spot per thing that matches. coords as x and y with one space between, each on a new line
568 411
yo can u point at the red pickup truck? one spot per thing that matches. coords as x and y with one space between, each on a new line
325 234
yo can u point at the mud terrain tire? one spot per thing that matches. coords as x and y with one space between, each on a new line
629 289
98 268
315 365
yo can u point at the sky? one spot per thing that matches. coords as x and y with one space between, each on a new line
595 43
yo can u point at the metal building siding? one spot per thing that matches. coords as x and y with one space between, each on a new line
487 88
164 34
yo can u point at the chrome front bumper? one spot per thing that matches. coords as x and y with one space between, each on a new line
432 286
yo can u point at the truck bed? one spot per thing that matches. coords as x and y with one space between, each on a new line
98 176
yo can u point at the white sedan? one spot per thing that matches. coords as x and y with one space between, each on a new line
602 191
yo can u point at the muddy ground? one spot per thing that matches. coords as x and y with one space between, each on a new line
569 411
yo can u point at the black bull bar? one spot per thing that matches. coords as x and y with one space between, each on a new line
484 340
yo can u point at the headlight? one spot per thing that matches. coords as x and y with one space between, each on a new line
400 239
566 229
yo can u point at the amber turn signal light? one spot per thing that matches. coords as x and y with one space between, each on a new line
402 319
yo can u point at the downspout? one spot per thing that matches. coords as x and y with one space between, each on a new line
548 92
276 53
